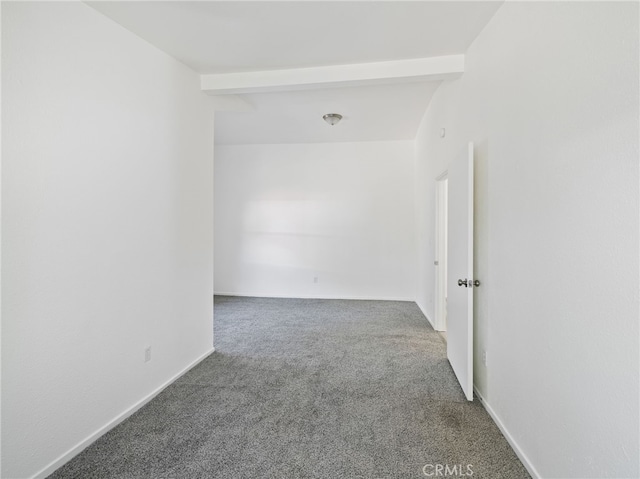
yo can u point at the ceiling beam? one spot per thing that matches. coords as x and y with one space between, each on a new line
417 69
231 103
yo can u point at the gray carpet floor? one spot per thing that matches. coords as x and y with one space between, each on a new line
309 389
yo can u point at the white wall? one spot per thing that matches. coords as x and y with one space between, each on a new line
341 212
107 181
0 256
550 97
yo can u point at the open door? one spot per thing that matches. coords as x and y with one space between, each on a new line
460 270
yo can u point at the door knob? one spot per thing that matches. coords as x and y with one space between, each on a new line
462 282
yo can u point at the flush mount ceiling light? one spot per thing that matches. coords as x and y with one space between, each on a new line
332 118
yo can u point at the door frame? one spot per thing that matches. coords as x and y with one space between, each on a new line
440 263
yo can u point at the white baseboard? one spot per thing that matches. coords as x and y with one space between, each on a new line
354 298
78 448
512 442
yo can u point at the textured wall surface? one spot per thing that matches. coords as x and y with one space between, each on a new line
550 98
107 195
338 212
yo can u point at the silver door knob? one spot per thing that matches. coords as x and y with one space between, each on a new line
462 282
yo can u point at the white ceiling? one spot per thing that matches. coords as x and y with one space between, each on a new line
231 36
374 112
239 36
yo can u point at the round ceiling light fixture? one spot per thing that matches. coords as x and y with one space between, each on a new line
332 118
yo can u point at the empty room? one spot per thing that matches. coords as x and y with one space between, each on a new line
320 239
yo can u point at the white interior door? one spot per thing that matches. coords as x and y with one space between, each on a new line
460 270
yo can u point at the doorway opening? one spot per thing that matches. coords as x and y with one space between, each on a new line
442 214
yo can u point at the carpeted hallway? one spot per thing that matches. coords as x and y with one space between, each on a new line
309 389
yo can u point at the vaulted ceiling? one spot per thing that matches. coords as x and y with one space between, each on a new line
251 40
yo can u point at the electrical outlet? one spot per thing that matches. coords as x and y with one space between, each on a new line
147 354
484 357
